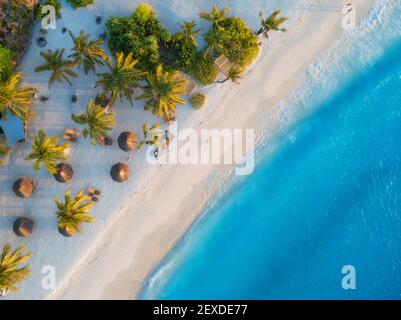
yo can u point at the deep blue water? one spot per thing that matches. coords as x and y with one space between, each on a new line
327 198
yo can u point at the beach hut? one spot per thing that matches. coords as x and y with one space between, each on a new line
127 141
120 172
23 227
223 64
189 85
12 128
64 173
23 187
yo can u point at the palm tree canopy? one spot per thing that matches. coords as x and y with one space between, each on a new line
48 151
216 16
73 211
11 273
162 92
99 122
273 22
188 31
15 99
87 52
152 135
60 68
122 77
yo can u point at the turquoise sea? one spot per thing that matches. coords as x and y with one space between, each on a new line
328 196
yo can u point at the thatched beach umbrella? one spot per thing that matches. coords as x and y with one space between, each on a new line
23 187
120 172
23 227
65 232
127 141
64 173
41 42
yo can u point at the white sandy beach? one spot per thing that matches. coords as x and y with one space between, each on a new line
139 222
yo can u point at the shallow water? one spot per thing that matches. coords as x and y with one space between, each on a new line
329 196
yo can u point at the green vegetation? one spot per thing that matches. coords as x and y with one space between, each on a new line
179 52
6 63
80 3
198 100
140 34
204 70
16 23
15 99
152 135
232 37
55 3
87 52
47 151
73 211
121 79
11 271
272 23
60 68
162 92
216 16
234 74
99 122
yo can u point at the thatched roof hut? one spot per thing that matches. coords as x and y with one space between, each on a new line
23 227
120 172
23 187
127 141
64 173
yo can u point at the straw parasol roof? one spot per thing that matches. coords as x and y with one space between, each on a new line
23 187
23 227
65 232
64 173
120 172
127 141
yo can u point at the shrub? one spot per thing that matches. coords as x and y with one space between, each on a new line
179 53
16 21
55 3
235 39
6 63
203 69
80 3
140 34
198 100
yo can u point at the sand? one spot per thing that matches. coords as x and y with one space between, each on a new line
139 222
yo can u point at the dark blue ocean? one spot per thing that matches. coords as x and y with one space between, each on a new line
327 198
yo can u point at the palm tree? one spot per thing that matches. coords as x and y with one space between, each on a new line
273 22
87 52
4 150
15 99
216 16
10 271
122 78
48 151
99 122
72 212
60 68
162 92
152 135
234 75
188 31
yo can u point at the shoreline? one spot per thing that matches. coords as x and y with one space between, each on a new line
129 282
